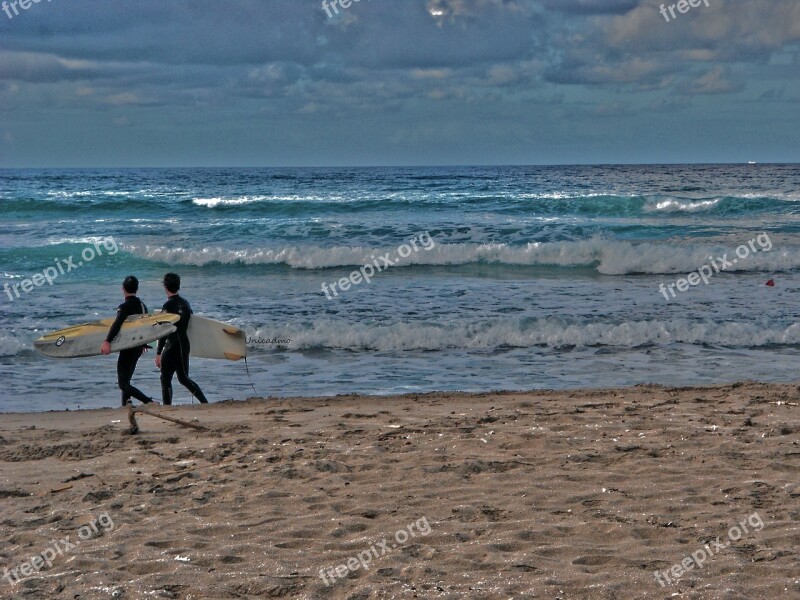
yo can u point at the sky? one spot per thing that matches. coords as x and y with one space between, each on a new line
170 83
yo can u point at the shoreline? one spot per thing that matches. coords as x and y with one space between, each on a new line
575 494
422 395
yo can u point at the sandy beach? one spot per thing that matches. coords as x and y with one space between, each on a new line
583 494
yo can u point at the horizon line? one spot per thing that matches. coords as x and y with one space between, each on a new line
414 166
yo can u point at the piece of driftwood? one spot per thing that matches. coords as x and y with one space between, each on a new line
135 426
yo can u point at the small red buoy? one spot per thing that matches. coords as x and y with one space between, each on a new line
771 283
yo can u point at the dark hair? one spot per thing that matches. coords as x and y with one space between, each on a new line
172 281
131 284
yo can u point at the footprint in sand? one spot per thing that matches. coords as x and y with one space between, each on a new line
147 567
231 560
595 560
163 544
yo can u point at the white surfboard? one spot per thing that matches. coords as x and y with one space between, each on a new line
214 339
87 338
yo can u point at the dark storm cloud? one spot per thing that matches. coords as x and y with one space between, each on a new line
591 7
175 31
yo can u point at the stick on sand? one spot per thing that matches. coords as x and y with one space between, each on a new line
135 426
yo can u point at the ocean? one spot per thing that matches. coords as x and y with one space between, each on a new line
483 278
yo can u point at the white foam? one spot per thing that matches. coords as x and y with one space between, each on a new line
214 202
85 193
242 200
562 195
499 333
11 344
74 240
552 333
672 205
609 257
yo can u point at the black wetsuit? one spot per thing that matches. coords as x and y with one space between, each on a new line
174 352
126 363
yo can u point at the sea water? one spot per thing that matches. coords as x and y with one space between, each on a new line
534 277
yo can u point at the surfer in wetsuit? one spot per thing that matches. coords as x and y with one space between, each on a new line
126 363
173 350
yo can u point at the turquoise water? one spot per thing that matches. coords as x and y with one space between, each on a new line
522 277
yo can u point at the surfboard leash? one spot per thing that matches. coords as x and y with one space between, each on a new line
247 369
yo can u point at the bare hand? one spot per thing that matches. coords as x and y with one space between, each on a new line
105 348
158 361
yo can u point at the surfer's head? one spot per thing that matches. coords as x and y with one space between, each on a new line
172 282
130 285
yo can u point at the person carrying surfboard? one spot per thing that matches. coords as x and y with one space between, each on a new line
126 363
172 355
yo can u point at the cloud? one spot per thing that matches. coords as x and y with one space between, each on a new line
715 81
38 67
640 50
591 7
633 72
442 65
431 73
745 30
443 10
126 99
